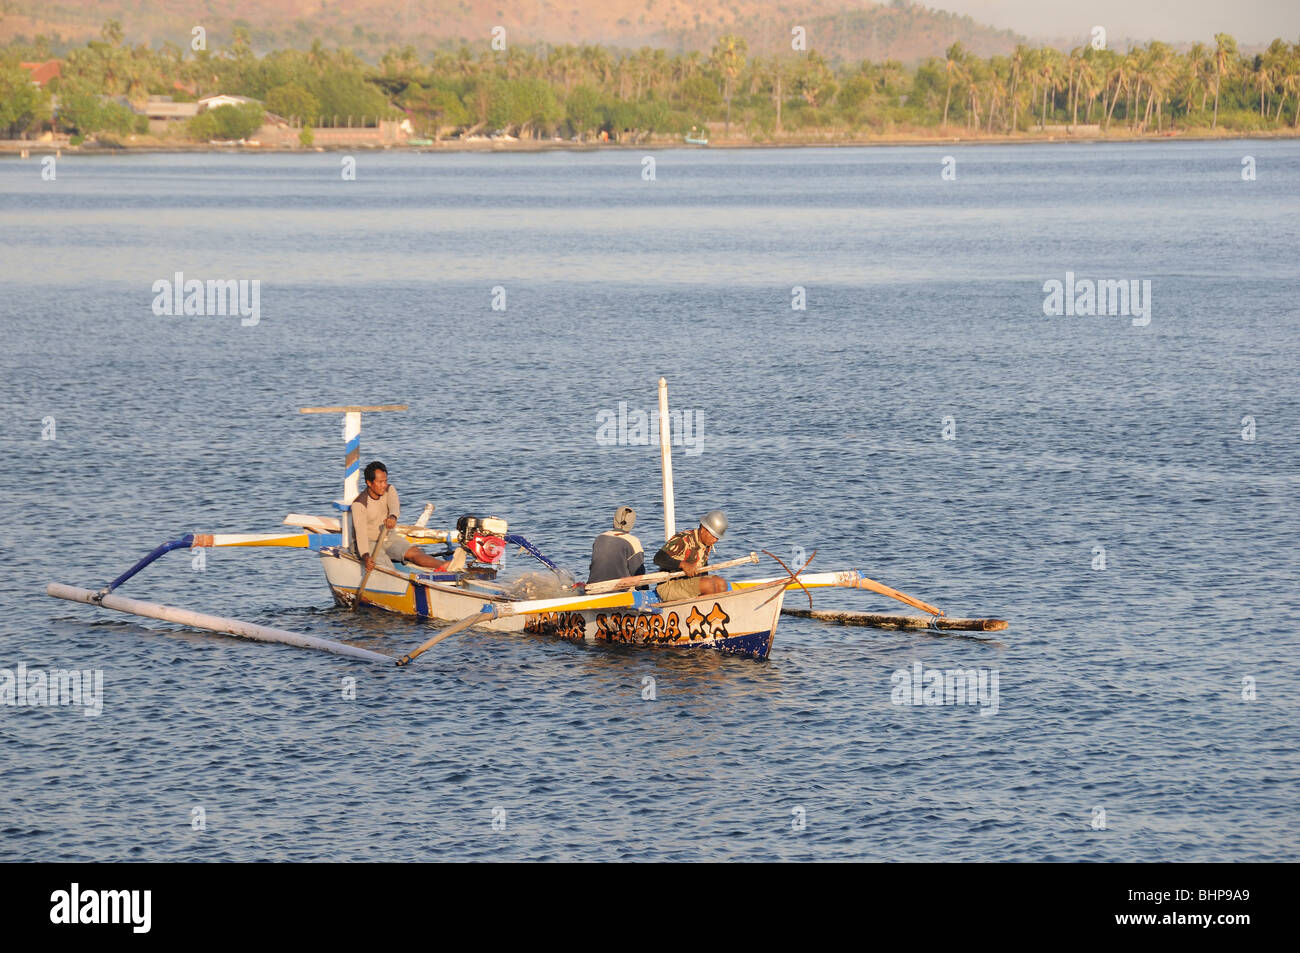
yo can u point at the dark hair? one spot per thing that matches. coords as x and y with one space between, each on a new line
373 467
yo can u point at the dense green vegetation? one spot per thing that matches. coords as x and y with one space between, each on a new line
580 91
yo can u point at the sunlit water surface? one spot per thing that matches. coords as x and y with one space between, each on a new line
1124 690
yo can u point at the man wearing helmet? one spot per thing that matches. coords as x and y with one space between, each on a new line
688 552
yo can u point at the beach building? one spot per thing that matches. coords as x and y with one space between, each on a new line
223 99
42 73
165 114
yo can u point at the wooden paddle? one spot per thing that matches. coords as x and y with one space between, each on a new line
631 582
365 578
486 614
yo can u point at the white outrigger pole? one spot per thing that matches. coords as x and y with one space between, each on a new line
666 462
212 623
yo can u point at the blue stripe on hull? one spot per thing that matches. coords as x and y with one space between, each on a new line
755 645
422 602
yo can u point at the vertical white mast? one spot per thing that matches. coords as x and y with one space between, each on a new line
351 455
666 461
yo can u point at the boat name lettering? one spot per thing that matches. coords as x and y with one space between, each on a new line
638 627
566 625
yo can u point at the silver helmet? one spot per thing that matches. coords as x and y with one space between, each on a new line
715 522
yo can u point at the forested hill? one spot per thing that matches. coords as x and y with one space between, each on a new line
848 29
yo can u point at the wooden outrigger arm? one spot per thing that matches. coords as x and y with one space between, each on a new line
852 579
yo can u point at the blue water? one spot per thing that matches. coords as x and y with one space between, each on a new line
1120 689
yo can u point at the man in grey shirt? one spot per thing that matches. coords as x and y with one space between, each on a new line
373 509
617 553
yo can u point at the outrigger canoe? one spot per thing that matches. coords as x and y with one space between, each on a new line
740 621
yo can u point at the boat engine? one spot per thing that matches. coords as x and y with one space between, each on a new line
483 537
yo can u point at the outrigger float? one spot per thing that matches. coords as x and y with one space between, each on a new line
740 621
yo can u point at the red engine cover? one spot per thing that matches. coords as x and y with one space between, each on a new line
486 549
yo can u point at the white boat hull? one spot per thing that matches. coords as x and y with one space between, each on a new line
740 622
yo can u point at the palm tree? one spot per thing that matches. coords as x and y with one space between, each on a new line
1291 83
1278 58
1049 71
1137 73
729 59
1225 56
599 64
1091 72
465 64
973 74
1274 62
1157 64
140 75
1201 67
999 72
1263 78
111 32
776 72
1119 72
659 69
1018 59
954 58
1072 64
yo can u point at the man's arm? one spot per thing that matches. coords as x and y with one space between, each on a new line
635 563
676 556
394 508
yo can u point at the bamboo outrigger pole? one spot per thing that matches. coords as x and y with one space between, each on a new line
213 623
878 620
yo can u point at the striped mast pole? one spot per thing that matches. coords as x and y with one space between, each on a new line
351 469
351 454
666 462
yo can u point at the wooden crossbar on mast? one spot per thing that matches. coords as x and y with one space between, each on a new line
352 450
352 409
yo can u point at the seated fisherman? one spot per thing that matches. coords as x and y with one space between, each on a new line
616 553
374 508
688 552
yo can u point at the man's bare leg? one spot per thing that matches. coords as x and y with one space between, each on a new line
419 557
712 585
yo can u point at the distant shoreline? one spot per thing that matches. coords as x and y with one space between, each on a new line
16 147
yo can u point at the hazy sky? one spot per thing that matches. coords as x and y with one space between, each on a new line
1250 21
